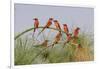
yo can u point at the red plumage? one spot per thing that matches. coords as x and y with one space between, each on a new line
69 36
36 24
48 24
57 24
66 30
76 32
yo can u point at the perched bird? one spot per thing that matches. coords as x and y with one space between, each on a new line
75 39
79 46
66 28
57 39
45 43
76 32
48 24
36 23
57 24
69 36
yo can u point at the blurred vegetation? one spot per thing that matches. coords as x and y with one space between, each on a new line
27 52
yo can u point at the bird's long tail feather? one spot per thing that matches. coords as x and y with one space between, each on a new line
34 29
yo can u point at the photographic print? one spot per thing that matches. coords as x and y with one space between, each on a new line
46 34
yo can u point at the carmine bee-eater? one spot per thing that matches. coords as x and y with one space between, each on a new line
45 43
57 24
76 32
57 39
69 36
79 46
48 24
66 30
36 23
68 39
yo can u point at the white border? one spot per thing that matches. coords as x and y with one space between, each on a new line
54 3
12 33
75 3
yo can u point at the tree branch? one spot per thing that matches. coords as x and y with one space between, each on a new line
33 28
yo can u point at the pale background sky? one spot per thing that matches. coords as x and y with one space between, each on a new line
73 16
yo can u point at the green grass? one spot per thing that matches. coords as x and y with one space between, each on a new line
25 52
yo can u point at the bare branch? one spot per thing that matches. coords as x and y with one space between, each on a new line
33 28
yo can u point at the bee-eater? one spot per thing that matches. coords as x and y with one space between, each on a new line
57 39
69 36
68 39
48 24
76 32
36 23
79 46
57 24
66 30
45 43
